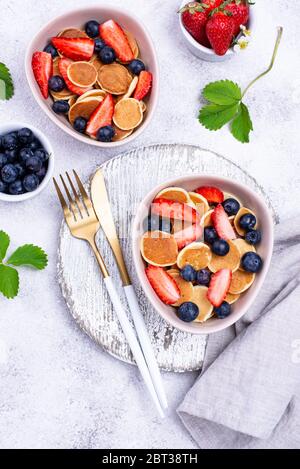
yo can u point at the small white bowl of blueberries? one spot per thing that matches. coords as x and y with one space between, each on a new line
26 162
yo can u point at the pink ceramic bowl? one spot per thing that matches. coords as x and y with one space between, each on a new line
77 18
251 200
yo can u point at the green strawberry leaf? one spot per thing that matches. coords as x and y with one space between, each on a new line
242 124
6 83
4 243
29 255
223 92
214 116
9 281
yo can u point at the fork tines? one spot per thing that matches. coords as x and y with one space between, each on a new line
80 205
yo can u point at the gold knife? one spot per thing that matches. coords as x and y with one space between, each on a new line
103 211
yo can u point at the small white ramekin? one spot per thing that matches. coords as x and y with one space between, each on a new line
205 53
13 126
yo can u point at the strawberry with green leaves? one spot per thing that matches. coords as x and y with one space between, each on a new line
239 11
194 18
220 31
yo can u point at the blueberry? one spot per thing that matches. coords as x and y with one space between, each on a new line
220 247
99 44
16 188
106 133
51 50
188 311
136 66
80 124
31 182
223 310
12 155
154 222
188 273
25 136
41 154
107 55
33 164
210 235
3 160
253 237
247 221
24 154
10 141
60 107
41 173
231 206
203 277
56 83
20 168
92 28
3 187
35 144
9 173
251 262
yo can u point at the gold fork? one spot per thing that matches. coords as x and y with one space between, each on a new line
83 224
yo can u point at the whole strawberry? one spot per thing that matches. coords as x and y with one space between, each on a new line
194 18
210 5
239 10
220 32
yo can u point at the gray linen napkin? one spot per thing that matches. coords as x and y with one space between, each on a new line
246 395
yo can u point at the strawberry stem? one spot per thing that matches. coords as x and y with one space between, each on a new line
279 35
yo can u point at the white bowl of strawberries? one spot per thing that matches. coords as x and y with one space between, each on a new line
214 29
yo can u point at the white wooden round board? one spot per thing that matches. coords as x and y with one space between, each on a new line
129 177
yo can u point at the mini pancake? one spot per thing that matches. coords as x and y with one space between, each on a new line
159 248
96 62
199 201
186 288
173 270
200 299
227 195
175 193
241 281
242 211
82 74
131 88
84 108
143 106
230 261
65 95
56 67
128 114
92 94
133 44
120 134
72 100
231 219
196 254
206 219
114 78
72 33
231 298
243 246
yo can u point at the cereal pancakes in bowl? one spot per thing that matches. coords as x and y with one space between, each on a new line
94 77
199 251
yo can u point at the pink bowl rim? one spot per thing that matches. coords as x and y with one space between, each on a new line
42 103
196 328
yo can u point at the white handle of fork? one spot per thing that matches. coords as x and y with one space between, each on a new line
146 345
132 341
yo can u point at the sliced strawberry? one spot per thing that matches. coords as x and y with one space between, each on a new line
222 223
170 209
188 235
63 68
219 286
75 48
42 67
213 195
102 115
114 36
144 85
163 284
